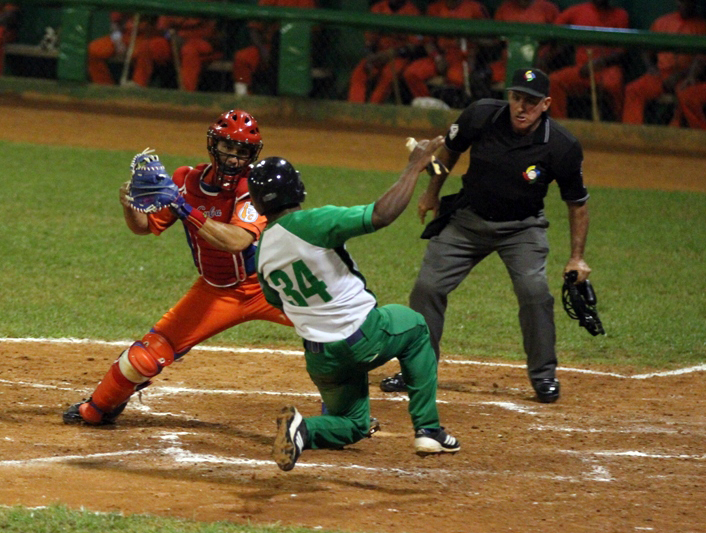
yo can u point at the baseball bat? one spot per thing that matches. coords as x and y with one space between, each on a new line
130 49
395 82
466 73
176 57
594 93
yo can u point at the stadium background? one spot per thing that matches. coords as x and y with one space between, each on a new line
622 451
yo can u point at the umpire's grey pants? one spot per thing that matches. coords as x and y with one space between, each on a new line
523 247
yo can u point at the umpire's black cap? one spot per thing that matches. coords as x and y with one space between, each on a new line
531 81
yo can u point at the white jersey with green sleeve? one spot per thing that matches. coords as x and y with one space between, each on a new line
305 270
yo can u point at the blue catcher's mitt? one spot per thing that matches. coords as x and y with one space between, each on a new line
151 188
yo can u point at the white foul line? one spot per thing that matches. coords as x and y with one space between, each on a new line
69 340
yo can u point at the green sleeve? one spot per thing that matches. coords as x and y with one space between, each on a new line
331 226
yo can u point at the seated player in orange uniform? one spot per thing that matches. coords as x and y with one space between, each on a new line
260 55
9 17
524 11
386 57
574 80
197 40
664 69
691 95
221 236
445 55
116 44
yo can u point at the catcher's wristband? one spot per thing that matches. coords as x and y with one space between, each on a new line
187 213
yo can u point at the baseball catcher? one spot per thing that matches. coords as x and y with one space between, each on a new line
211 200
580 303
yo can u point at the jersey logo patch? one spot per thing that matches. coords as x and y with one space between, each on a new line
531 174
247 213
453 131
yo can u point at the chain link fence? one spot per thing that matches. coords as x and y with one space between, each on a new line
336 51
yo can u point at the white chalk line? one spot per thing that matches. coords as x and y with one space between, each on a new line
70 340
598 472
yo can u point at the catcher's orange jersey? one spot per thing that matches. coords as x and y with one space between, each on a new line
217 267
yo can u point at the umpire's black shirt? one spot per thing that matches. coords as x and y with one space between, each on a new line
509 174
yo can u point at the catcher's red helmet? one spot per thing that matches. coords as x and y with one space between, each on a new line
237 132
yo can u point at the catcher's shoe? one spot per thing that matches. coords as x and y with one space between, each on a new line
547 389
393 384
291 438
434 441
77 414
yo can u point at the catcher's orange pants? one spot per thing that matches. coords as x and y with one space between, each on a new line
419 72
384 78
205 311
568 82
637 93
102 49
691 105
202 312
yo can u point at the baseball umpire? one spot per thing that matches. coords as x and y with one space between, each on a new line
221 226
304 268
518 150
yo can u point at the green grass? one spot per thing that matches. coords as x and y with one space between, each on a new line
71 268
60 519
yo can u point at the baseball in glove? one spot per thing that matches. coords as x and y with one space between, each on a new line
580 303
151 187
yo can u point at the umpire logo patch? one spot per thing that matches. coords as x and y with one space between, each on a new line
532 174
453 131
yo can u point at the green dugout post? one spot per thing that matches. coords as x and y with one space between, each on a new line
73 48
521 52
294 76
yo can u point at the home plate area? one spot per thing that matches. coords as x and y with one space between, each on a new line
618 452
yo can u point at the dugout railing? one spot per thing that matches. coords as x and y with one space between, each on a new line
319 47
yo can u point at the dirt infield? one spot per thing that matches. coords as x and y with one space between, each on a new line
619 453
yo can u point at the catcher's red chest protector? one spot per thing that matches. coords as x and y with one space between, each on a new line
218 268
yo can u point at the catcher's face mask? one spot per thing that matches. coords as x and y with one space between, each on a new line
234 142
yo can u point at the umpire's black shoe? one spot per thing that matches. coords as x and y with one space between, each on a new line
291 438
547 389
393 384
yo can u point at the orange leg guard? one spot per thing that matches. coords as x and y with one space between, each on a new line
135 366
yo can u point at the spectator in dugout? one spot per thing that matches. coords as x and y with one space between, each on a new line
260 55
197 42
386 58
9 18
524 11
574 80
445 56
665 70
691 96
115 46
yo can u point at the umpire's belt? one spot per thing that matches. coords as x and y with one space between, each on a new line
318 347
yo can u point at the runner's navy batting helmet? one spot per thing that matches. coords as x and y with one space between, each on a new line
274 185
234 142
